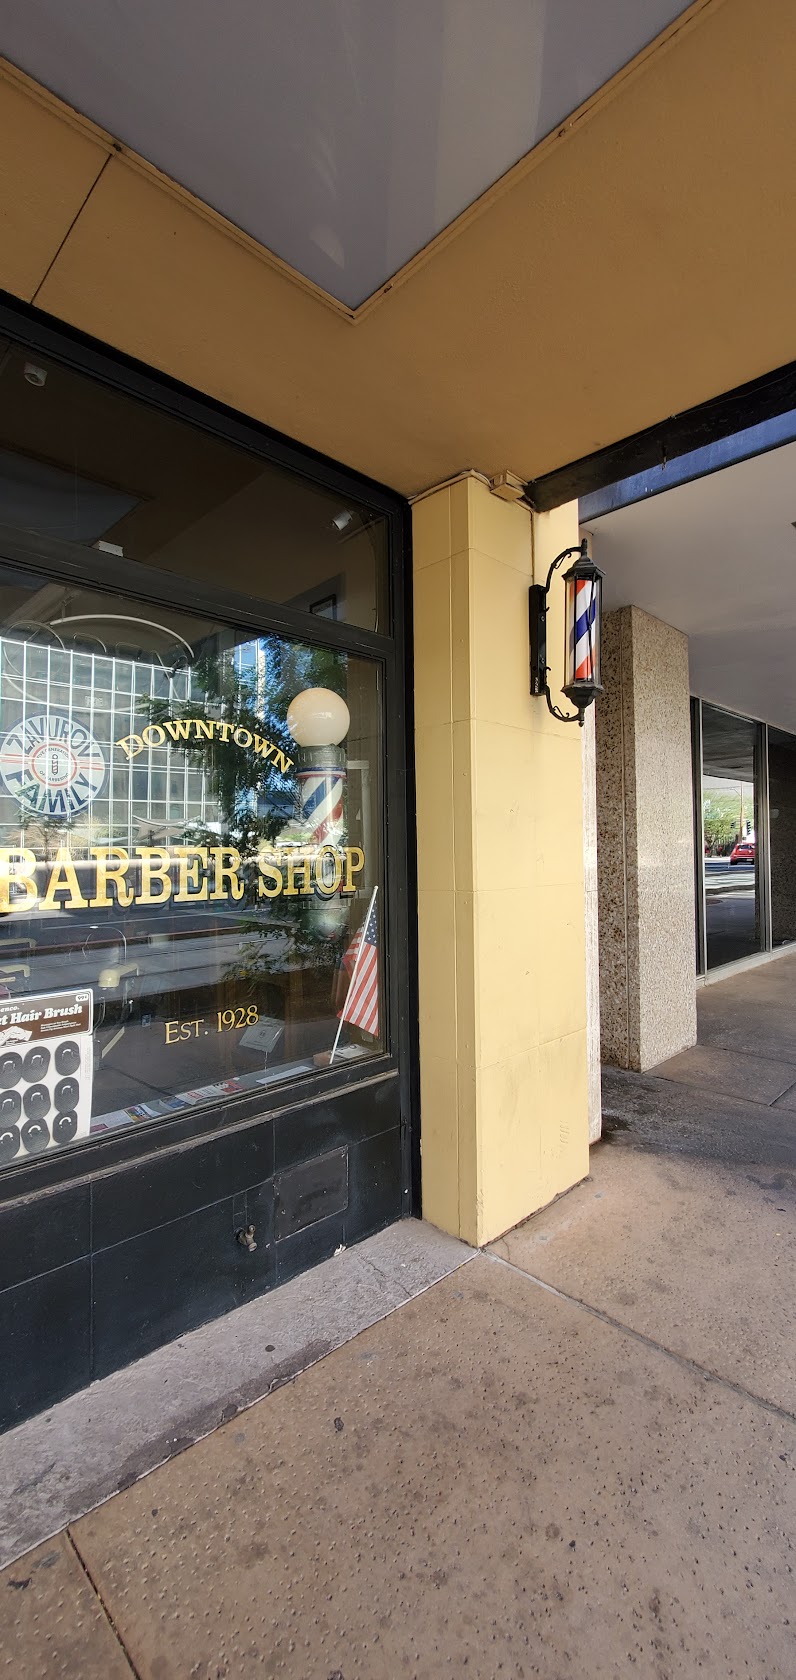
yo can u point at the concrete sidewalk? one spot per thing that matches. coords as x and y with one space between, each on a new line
573 1454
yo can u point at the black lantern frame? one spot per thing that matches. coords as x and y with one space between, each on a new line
582 633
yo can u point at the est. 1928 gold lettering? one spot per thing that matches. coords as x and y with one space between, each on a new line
111 877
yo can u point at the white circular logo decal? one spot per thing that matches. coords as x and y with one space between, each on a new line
53 765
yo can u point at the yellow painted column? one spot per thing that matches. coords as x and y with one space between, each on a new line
503 1059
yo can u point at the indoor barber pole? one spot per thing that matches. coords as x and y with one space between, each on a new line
321 782
319 720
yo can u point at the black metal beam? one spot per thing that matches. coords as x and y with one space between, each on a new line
747 405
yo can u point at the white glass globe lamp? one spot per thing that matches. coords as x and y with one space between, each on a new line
318 717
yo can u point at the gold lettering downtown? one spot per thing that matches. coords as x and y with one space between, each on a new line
190 731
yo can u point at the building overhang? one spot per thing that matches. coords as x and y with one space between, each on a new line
635 264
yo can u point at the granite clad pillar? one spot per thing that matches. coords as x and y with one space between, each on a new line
589 754
645 843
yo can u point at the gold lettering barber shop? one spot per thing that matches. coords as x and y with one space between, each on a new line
286 871
114 878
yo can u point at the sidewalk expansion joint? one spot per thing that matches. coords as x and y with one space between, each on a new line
70 1540
680 1359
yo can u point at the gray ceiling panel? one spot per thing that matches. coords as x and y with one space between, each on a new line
342 134
717 558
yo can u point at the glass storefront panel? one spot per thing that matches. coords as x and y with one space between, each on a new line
206 953
191 868
730 803
83 464
782 821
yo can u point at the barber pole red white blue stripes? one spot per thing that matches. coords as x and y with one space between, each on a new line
583 630
321 794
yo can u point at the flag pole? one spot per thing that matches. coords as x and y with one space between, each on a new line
341 1021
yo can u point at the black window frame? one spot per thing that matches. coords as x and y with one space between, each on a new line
391 653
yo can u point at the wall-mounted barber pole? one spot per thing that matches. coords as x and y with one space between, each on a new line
583 584
582 634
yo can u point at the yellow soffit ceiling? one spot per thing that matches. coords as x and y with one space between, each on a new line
635 263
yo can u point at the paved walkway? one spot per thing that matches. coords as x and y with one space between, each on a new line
572 1455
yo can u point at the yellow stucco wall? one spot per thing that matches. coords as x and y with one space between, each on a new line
504 1098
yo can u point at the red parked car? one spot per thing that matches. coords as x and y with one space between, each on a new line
744 852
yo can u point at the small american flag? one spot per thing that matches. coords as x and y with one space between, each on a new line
361 963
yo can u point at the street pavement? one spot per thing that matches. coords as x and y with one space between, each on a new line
574 1453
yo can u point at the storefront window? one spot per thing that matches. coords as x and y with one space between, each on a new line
730 803
191 876
86 465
